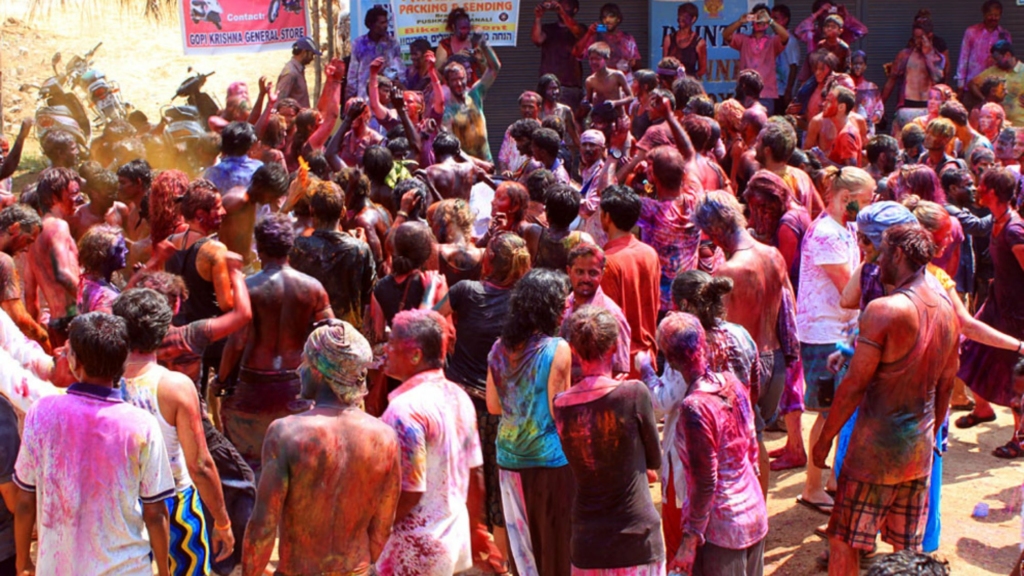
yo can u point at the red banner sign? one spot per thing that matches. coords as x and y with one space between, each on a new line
223 26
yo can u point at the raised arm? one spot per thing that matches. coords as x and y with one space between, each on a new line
683 142
493 64
257 108
436 90
412 133
373 89
329 105
731 29
13 159
537 35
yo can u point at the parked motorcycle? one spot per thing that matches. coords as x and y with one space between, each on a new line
187 123
60 108
289 5
104 96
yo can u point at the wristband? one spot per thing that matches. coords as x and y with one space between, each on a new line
403 214
221 528
1020 346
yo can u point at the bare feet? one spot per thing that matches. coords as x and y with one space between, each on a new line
789 461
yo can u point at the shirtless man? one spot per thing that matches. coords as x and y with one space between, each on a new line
451 177
285 305
759 276
133 180
905 364
101 187
269 185
53 258
363 213
172 398
19 228
919 68
605 83
333 453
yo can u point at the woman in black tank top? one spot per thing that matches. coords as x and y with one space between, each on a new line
685 44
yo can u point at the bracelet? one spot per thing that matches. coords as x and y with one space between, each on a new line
403 214
1020 346
221 528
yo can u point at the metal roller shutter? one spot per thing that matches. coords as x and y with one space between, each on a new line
520 65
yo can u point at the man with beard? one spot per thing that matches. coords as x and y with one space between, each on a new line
1012 70
464 105
586 272
53 258
291 83
367 48
846 146
904 364
60 148
975 51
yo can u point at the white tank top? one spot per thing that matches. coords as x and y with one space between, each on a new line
141 392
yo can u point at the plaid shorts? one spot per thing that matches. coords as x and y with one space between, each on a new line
862 509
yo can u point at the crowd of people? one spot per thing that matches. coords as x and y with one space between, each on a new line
351 331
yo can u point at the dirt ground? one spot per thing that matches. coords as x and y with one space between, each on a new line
147 61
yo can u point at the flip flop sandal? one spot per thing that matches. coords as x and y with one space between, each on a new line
971 420
819 507
1009 451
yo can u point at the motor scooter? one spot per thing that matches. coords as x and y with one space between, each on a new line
59 108
290 5
185 124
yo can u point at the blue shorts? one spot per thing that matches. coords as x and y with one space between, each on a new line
814 357
190 542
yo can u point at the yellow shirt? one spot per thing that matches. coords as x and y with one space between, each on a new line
1014 90
943 278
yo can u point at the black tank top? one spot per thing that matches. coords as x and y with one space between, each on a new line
202 297
686 54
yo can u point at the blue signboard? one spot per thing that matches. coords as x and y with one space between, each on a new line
715 17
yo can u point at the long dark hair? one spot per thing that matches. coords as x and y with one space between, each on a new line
704 292
536 306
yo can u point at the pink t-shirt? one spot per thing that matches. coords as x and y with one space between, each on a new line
759 54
